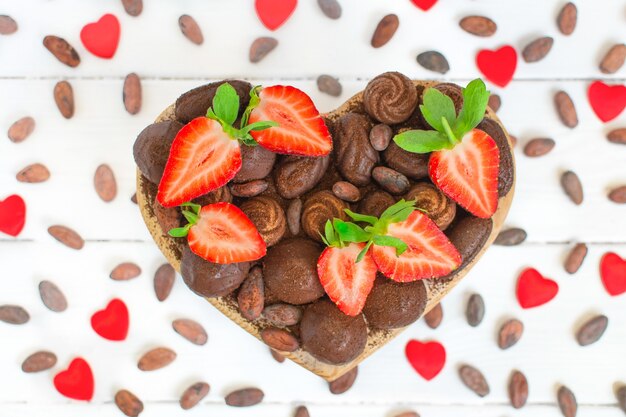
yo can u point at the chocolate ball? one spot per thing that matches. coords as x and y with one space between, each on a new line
375 202
195 103
268 217
256 163
413 165
506 174
391 304
354 155
390 98
290 271
221 195
208 279
455 92
468 235
331 336
439 208
295 175
318 209
152 148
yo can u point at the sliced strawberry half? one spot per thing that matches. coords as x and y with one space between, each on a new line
346 282
223 234
430 253
202 159
468 173
300 131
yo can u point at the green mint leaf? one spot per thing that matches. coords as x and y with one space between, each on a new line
211 115
226 103
361 254
475 98
394 242
437 105
350 232
191 217
422 141
179 231
256 126
398 210
361 217
330 236
254 101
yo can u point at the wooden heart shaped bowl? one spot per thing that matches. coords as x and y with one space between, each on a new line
475 235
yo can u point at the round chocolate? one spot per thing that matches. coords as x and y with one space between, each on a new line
268 217
390 98
208 279
256 163
469 235
413 165
453 91
290 271
375 202
331 336
391 304
506 174
194 103
318 209
439 208
220 195
354 155
296 175
152 148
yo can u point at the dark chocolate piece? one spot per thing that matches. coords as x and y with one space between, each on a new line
392 304
413 165
195 103
318 209
439 208
355 156
256 163
268 217
390 98
295 175
152 148
375 202
506 176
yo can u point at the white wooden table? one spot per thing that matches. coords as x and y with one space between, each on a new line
310 44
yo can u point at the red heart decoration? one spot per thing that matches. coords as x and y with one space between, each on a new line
425 5
607 101
112 322
613 273
274 13
102 37
76 382
427 358
12 215
534 290
498 66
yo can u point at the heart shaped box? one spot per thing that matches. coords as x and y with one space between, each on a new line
436 288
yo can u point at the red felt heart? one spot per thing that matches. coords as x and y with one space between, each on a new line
534 290
112 322
274 13
607 101
613 273
427 359
425 5
497 66
102 37
12 215
76 382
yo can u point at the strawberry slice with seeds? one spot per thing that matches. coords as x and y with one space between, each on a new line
468 173
223 234
347 282
202 158
300 131
430 253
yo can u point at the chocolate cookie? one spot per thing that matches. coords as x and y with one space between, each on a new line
391 304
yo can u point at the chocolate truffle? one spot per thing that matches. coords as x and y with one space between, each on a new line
319 208
455 92
221 195
268 217
295 175
152 148
208 279
256 163
354 155
375 202
413 165
438 206
195 103
390 98
506 172
469 235
290 271
331 336
391 304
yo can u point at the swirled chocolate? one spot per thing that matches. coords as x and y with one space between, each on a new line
221 195
375 202
318 209
290 271
195 103
391 304
152 148
354 155
453 91
256 163
390 98
413 165
208 279
331 336
296 175
268 217
437 205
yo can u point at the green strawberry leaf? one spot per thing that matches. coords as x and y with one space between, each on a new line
399 212
191 217
254 101
350 232
437 105
475 98
179 231
361 217
226 103
259 126
194 207
361 254
394 242
422 141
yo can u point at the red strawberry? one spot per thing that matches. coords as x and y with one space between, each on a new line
468 173
301 130
223 235
346 282
430 253
202 159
